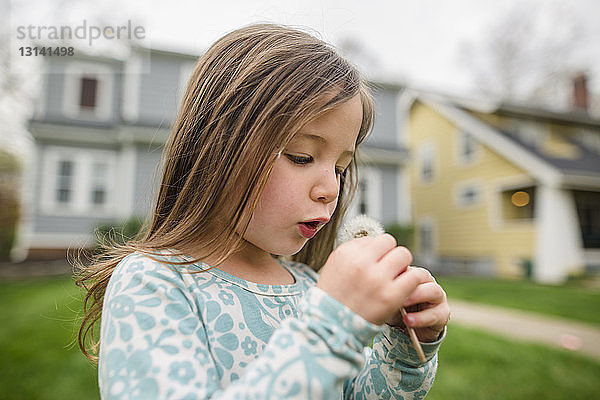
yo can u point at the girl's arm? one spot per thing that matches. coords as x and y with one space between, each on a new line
155 346
394 370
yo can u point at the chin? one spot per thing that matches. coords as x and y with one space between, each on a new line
289 250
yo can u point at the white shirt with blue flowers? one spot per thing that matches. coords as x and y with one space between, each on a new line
174 332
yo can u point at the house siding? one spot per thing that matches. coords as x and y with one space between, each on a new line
385 127
158 91
147 179
389 195
477 233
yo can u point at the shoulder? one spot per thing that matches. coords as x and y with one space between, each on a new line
138 270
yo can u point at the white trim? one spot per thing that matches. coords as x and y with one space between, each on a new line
127 159
559 248
488 136
459 187
81 203
131 88
372 176
74 72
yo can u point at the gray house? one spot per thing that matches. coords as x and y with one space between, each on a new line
99 129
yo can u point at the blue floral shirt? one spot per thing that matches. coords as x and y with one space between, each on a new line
177 332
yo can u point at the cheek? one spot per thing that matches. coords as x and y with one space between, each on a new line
280 194
332 206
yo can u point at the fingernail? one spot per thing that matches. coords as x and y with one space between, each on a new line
409 320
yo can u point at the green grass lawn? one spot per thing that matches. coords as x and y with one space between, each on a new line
569 301
477 365
39 358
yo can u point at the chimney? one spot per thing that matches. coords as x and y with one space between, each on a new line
580 92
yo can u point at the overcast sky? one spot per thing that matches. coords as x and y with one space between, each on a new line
416 41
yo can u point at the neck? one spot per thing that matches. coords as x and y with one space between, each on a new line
254 265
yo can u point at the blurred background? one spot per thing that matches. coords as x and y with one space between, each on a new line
484 160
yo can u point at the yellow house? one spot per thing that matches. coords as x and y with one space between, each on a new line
503 190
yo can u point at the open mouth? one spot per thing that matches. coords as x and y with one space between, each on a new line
312 224
308 229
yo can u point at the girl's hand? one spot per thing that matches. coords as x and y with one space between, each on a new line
427 310
370 275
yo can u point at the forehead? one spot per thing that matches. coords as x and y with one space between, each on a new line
339 125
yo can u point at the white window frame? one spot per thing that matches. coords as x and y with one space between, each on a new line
74 72
428 256
461 158
426 153
81 200
469 184
372 176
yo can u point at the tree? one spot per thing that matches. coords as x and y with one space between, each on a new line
528 54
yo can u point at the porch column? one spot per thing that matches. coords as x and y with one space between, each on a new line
558 239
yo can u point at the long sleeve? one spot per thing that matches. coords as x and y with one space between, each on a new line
394 370
159 341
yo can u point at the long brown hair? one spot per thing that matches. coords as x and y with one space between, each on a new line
248 95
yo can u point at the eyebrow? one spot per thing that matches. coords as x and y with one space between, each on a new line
322 140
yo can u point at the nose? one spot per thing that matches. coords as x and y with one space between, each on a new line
326 187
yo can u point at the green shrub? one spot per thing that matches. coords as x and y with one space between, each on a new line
404 234
10 169
9 215
118 233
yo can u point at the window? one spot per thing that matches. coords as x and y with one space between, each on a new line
468 195
362 196
467 148
368 194
99 183
64 183
518 204
427 241
426 238
77 181
88 90
426 166
427 170
87 98
588 211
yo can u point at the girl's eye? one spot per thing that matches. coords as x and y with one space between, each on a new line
299 159
302 160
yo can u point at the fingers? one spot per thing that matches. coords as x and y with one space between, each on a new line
396 261
409 280
377 246
435 317
429 292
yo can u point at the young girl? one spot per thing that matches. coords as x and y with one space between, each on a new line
216 300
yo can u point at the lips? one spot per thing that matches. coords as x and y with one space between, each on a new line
309 228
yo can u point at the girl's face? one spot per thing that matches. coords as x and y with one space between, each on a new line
301 193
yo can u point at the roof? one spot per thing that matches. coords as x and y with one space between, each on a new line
587 162
581 171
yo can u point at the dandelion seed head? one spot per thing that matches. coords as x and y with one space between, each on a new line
361 225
